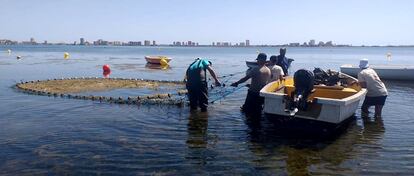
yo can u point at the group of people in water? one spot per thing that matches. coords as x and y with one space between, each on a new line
197 87
265 72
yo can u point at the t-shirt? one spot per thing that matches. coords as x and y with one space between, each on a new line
283 62
276 71
260 77
197 70
375 87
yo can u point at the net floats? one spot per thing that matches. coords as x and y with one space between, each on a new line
53 88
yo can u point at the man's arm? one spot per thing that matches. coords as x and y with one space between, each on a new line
244 79
213 74
361 80
247 77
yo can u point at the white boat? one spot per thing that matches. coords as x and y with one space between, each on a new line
327 104
387 72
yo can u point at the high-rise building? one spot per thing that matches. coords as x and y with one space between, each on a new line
82 41
147 42
312 42
117 43
133 43
321 43
154 43
100 42
329 43
32 41
247 42
304 44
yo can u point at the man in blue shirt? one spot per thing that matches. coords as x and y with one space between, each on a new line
283 61
196 84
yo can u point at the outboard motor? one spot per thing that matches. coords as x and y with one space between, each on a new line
303 81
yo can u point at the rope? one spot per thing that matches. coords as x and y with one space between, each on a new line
227 93
178 98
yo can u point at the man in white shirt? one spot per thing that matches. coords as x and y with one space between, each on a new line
376 91
275 70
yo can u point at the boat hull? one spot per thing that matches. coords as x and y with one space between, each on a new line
156 59
333 110
300 126
384 72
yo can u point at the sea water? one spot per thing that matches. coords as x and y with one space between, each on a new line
47 135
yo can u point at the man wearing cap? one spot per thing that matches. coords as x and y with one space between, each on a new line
259 78
196 83
376 90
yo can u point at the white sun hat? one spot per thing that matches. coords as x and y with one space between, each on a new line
363 63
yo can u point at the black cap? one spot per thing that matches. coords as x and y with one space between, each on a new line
273 58
261 56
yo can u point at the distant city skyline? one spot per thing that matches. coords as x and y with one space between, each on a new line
246 43
266 22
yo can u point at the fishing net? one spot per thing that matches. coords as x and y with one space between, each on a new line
74 87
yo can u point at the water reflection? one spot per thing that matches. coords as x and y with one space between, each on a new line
373 128
197 139
157 66
197 130
298 153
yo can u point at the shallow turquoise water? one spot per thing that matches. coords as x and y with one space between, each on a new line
46 135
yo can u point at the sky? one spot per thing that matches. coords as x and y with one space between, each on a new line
356 22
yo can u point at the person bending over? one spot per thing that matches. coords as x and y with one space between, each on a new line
196 83
376 91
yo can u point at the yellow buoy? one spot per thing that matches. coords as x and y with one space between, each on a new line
163 62
66 55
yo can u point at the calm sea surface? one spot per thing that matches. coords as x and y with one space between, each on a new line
55 136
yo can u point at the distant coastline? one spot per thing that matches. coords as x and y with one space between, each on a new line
147 43
251 46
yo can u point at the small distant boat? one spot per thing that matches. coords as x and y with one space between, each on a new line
387 72
326 105
157 59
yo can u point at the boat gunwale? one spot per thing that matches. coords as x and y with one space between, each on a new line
321 100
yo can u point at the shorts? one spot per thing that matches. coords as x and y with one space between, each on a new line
372 101
253 103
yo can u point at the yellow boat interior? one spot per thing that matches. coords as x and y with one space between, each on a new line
286 86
